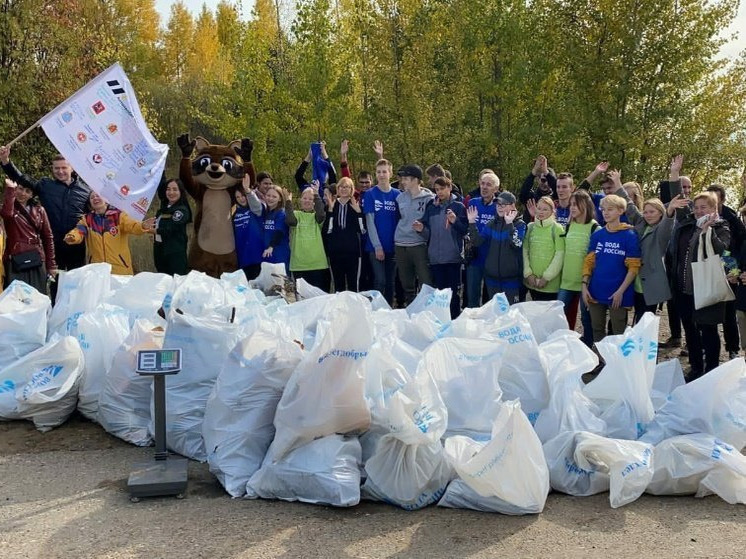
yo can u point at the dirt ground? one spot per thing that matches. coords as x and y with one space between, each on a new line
63 494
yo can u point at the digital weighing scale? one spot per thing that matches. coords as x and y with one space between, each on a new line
167 474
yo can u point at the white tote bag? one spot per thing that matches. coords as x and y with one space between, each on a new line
708 276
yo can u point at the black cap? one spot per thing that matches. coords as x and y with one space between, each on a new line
410 171
506 198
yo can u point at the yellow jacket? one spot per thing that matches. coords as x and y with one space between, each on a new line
107 238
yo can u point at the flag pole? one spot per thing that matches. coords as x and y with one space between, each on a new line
24 133
38 122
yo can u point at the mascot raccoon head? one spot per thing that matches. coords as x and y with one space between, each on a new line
217 167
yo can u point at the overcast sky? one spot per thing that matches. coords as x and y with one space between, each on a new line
731 50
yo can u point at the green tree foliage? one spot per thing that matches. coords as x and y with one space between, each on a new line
467 83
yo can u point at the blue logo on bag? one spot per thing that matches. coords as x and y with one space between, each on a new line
653 350
627 347
7 386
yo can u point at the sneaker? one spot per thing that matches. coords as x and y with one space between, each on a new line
671 343
734 354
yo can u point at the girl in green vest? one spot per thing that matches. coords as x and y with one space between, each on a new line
307 255
543 253
577 237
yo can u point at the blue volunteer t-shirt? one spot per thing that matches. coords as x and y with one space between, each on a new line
609 271
248 229
383 207
562 215
487 213
275 221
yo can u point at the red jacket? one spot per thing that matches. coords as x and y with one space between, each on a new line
27 229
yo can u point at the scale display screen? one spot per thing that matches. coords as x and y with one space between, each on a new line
158 361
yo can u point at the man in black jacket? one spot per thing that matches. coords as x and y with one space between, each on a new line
64 198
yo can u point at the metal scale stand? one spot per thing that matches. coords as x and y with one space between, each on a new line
167 474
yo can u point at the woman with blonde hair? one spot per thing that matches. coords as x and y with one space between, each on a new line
654 224
543 252
277 206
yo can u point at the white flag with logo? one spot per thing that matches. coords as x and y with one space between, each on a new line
101 132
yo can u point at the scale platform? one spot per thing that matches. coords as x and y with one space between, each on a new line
157 478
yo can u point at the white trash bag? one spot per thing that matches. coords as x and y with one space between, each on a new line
205 343
508 474
238 426
623 387
583 464
43 385
80 290
715 403
143 295
523 375
668 376
466 374
411 476
307 291
325 471
271 276
100 333
326 393
699 465
23 321
567 359
436 301
124 402
545 317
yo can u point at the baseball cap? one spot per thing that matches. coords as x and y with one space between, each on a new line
410 171
505 198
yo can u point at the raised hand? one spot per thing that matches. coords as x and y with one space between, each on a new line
531 207
4 155
288 195
344 149
450 216
246 149
510 216
472 213
186 145
355 205
676 164
246 183
602 167
378 149
616 177
315 186
323 151
543 165
10 184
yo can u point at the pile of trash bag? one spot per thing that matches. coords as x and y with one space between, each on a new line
333 398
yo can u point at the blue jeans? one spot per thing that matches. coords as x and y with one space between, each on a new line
474 276
383 275
567 297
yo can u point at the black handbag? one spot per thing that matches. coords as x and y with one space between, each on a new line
26 260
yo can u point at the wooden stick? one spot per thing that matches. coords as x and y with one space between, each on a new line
23 134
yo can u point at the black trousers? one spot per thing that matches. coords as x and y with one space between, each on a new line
317 278
641 308
702 340
730 328
345 271
542 296
448 276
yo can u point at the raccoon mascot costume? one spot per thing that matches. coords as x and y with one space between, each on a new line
211 178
